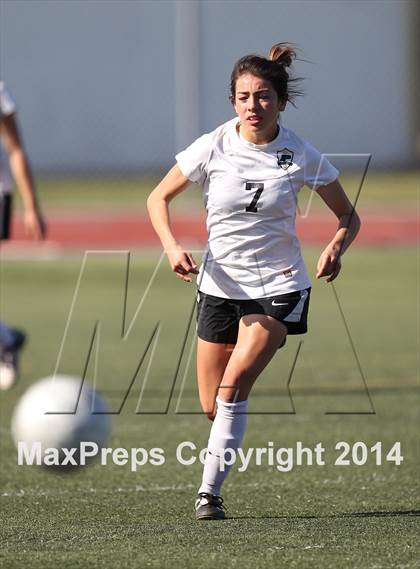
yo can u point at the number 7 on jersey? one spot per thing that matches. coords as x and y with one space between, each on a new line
259 186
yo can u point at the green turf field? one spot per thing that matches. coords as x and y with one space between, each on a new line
400 190
310 517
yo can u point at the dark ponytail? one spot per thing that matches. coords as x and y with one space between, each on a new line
273 69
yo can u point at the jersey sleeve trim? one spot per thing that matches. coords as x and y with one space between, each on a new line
318 170
325 175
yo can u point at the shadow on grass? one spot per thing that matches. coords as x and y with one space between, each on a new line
395 513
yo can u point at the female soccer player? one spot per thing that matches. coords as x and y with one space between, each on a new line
12 340
253 287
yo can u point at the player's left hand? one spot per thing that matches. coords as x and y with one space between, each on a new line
329 265
34 224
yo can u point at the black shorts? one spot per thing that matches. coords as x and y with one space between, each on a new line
218 318
5 215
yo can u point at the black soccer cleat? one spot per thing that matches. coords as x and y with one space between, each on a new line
209 507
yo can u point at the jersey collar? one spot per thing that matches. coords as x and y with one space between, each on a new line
263 147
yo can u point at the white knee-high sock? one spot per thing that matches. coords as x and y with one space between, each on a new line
227 432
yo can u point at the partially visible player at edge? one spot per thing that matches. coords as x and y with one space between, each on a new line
253 287
12 340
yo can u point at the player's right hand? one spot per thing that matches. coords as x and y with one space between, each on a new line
182 264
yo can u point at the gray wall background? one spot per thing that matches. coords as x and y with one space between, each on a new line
96 86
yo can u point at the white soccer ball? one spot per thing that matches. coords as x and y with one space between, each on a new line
59 412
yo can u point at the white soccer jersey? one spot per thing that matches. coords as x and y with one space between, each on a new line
7 107
250 194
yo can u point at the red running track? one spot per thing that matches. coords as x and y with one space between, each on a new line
124 230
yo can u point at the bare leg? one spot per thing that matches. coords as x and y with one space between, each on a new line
212 360
259 338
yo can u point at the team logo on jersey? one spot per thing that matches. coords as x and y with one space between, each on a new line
285 158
